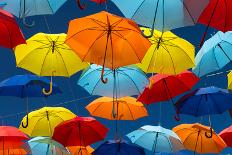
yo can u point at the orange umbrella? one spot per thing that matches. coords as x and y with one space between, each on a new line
195 137
13 152
80 150
108 40
126 108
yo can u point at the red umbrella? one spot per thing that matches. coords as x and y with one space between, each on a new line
226 135
217 15
79 131
10 33
166 87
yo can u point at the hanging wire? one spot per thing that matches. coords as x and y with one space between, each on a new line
73 95
47 25
106 7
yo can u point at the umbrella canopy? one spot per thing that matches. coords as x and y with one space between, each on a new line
166 87
12 133
205 101
80 131
194 137
119 147
124 81
156 139
26 86
46 146
226 135
19 151
214 54
80 150
163 15
107 40
10 33
43 121
168 54
229 76
126 108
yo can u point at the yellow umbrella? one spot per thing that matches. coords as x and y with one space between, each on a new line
126 108
43 121
230 80
196 137
168 54
80 150
48 55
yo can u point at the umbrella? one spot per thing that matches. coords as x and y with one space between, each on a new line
168 54
126 108
119 147
124 81
43 121
226 135
25 8
18 151
79 131
48 55
156 139
217 15
229 81
163 15
194 137
166 87
107 40
214 54
10 33
46 146
12 133
80 150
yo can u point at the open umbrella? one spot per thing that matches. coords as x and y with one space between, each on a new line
123 81
194 138
217 15
25 8
226 135
163 15
46 146
166 87
79 131
43 121
10 33
126 108
156 139
214 54
118 147
168 54
80 150
107 40
48 55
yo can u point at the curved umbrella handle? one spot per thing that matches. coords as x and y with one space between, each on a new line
27 122
82 7
102 76
177 117
211 133
26 24
49 92
150 35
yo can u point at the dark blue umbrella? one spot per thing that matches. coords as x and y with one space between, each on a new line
118 147
26 86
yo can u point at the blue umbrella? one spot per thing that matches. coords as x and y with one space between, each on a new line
46 146
156 139
214 54
26 8
26 86
124 81
163 15
119 147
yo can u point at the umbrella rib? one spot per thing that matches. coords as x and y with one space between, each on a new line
185 6
137 9
63 62
44 60
154 64
215 57
98 22
130 111
8 31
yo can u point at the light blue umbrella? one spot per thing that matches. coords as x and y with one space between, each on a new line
124 81
26 8
46 146
156 139
163 15
214 54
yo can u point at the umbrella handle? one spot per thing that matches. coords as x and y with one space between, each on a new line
26 24
49 92
82 7
211 133
102 76
27 120
150 35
